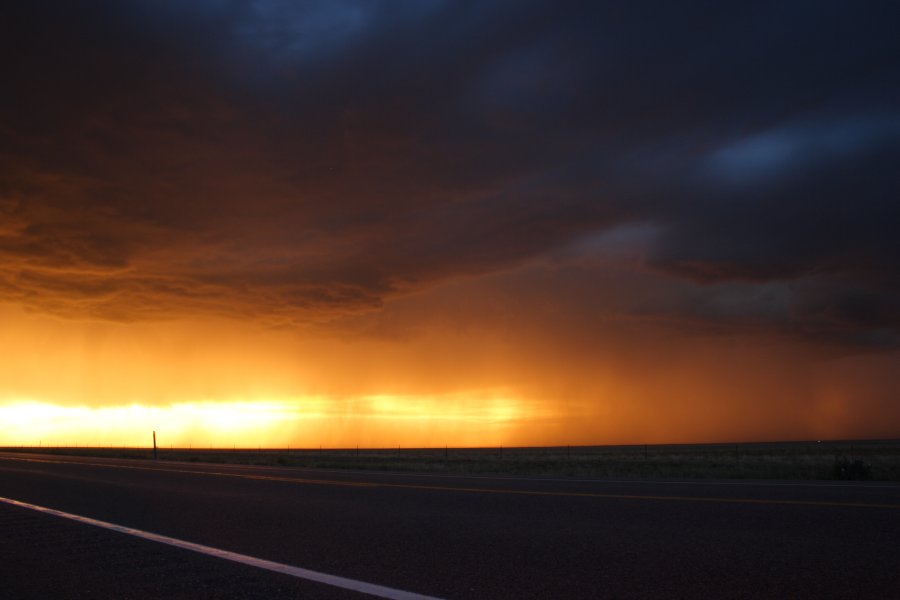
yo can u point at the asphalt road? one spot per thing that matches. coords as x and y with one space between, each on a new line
452 537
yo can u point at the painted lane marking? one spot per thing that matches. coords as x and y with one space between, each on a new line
476 490
758 483
298 572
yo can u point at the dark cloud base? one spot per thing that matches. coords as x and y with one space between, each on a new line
300 164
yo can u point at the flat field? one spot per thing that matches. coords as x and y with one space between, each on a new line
877 460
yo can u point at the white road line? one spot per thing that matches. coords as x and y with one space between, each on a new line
299 572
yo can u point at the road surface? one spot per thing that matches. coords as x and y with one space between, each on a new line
447 537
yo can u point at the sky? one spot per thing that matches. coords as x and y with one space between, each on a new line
435 223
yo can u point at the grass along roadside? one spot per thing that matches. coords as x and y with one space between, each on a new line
866 460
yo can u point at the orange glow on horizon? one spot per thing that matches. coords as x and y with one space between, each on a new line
376 421
230 227
226 384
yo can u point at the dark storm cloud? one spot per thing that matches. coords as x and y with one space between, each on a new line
301 161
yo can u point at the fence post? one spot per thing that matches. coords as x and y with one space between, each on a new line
154 445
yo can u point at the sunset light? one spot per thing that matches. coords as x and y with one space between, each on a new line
456 300
539 242
377 422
